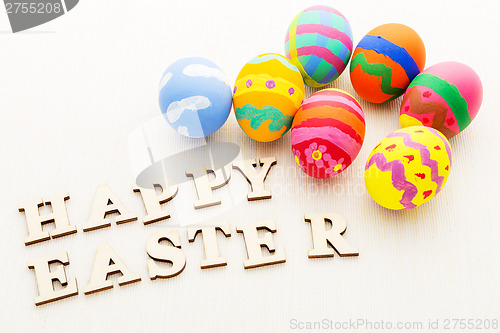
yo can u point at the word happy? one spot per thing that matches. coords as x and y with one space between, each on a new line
165 246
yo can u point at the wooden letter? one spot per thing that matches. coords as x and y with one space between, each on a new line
256 179
105 203
333 236
45 277
108 262
204 186
254 244
209 234
59 216
172 254
152 202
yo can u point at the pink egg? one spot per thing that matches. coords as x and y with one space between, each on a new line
446 96
327 133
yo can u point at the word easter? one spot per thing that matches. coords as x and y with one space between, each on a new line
165 246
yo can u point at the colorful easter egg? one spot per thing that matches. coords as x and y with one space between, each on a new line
408 167
267 93
194 97
319 43
446 96
327 133
385 61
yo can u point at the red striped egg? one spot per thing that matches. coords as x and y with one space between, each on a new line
327 133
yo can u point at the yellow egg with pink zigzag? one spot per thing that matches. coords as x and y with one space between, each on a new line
408 167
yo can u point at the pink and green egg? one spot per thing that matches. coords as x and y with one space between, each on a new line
446 96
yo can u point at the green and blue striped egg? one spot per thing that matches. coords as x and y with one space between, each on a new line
319 43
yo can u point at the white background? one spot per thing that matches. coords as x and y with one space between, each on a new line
72 91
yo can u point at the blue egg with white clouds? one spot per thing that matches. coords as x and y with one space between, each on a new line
194 97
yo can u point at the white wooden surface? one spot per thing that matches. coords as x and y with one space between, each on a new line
72 91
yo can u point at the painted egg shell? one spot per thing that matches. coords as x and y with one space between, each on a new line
267 94
327 133
319 43
385 61
408 167
194 97
445 96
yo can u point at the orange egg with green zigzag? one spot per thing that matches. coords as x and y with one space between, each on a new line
385 62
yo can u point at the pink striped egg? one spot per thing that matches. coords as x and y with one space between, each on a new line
327 133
